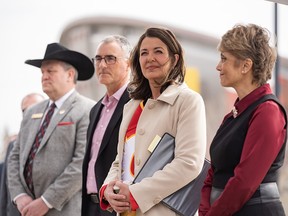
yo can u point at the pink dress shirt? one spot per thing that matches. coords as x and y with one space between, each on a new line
110 104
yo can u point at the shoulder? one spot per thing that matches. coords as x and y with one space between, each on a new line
131 104
185 91
183 94
37 108
125 96
271 106
83 100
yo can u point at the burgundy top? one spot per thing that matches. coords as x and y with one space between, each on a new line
264 139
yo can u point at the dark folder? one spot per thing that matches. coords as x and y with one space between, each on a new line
186 200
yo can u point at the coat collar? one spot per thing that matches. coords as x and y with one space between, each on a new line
171 93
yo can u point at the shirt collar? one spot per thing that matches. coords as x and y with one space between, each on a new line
170 94
61 100
117 95
241 105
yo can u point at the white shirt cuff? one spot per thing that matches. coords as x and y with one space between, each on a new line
15 198
46 202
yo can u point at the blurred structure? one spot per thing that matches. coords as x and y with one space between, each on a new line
279 1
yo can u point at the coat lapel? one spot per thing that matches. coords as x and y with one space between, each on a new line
115 118
61 113
94 120
34 125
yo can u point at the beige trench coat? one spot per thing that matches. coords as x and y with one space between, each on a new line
180 112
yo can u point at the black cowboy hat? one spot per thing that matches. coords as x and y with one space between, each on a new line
55 51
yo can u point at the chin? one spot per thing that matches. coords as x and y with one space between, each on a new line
223 83
45 90
104 82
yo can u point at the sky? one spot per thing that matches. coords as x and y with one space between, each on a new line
27 26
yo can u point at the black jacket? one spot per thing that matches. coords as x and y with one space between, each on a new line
108 148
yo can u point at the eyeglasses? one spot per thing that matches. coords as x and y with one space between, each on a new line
109 59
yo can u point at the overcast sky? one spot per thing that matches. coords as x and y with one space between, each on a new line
27 26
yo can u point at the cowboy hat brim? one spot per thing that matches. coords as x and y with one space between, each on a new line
81 62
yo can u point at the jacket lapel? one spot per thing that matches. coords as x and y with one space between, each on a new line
61 113
116 117
93 121
36 119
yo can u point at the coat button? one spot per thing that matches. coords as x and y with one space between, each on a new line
138 162
157 200
141 131
151 105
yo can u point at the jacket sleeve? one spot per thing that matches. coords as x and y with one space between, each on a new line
205 194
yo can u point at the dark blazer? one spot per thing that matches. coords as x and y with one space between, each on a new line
108 148
7 208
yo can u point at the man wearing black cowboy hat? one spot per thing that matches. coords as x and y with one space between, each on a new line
44 168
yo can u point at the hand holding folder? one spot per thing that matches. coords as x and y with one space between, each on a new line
186 200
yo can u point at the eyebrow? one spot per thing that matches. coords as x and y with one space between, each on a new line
155 48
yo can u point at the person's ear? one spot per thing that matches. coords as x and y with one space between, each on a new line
71 74
247 66
176 56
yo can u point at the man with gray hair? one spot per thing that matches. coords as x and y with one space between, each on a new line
112 69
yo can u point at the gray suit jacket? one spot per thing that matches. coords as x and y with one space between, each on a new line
58 162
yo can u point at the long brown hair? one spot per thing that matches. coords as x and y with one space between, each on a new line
139 86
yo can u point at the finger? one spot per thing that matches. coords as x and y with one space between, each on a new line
120 203
121 209
24 212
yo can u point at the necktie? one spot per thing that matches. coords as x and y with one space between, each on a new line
36 144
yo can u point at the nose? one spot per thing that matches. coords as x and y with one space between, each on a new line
102 63
44 75
218 66
150 58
